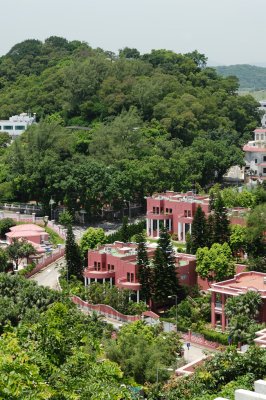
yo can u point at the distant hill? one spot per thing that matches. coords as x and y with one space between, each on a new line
250 76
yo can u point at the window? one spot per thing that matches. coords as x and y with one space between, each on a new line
95 265
157 210
132 277
256 160
170 210
264 170
112 267
153 210
108 266
166 210
183 277
128 276
8 128
189 213
264 158
20 127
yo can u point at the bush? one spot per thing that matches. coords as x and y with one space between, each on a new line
27 269
214 336
5 225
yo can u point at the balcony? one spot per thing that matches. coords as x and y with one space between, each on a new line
161 216
91 272
123 283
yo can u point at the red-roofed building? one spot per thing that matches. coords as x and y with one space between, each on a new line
240 284
174 211
32 233
255 156
117 264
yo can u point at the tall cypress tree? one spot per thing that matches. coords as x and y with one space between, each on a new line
73 255
221 230
165 279
210 230
144 269
198 230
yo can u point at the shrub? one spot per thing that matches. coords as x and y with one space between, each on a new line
214 336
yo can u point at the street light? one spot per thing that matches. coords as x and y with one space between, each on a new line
51 203
170 297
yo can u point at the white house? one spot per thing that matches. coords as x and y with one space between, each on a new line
16 124
255 156
263 109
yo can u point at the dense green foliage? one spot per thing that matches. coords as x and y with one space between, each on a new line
74 264
242 311
165 281
215 264
5 225
144 352
144 269
249 76
157 121
91 238
50 350
218 374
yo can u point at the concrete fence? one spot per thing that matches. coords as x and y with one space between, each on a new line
105 310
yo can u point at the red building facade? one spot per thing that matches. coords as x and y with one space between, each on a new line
175 211
117 264
240 284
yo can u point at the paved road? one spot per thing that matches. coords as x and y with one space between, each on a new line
194 353
49 275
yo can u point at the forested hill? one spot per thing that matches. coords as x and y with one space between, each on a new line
249 76
157 121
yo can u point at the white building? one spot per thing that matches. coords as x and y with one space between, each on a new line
255 156
263 109
16 124
258 394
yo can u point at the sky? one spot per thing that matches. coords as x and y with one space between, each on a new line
226 31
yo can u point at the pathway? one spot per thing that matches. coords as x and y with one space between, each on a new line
49 275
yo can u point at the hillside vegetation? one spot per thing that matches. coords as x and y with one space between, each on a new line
249 76
156 121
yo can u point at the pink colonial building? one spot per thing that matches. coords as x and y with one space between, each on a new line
117 264
240 284
175 211
34 234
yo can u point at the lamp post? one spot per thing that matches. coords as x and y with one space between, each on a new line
51 203
170 297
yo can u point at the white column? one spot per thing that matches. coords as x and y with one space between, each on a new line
96 280
158 228
147 226
190 225
33 217
170 224
184 232
164 223
111 282
179 230
137 296
85 281
103 280
89 281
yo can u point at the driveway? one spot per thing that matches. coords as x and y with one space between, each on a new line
49 275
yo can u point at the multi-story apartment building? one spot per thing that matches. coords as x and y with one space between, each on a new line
255 156
117 264
16 124
175 211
